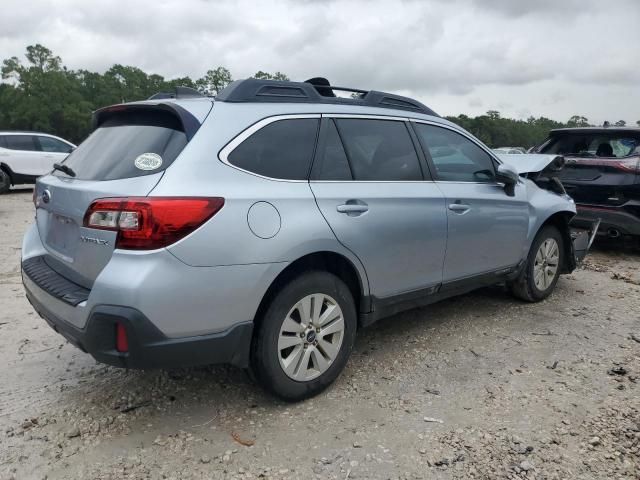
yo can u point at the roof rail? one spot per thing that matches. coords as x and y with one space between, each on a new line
314 90
180 92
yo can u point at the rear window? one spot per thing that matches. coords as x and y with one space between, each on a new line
282 149
128 144
607 145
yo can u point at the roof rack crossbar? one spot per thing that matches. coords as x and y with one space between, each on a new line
315 90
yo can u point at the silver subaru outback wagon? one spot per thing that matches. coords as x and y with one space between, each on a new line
264 227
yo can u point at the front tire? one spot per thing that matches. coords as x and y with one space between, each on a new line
305 336
542 270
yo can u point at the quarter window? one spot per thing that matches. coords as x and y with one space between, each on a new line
22 142
379 150
456 158
282 149
48 144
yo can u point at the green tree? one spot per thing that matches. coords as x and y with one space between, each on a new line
578 121
260 75
40 93
214 81
620 123
46 95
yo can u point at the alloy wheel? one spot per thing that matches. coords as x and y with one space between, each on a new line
546 263
310 337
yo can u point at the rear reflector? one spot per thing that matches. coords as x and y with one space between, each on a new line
122 342
147 223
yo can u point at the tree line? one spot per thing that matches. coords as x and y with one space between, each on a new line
41 94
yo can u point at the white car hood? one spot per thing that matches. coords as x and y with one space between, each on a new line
532 162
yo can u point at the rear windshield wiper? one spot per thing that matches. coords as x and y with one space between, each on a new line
64 169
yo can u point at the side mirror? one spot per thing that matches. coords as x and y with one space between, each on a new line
509 176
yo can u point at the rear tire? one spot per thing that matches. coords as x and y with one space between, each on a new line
542 270
305 336
5 182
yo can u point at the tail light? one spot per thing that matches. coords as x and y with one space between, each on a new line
624 164
147 223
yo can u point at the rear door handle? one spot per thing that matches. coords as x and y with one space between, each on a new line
459 207
353 208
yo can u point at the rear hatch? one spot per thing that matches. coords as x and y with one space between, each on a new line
125 156
602 165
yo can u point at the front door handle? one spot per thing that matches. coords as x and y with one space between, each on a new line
353 208
459 207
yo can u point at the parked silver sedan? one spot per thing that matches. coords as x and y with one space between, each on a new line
264 227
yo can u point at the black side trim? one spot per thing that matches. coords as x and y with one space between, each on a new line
387 306
53 283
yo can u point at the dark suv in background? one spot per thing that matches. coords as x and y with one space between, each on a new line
602 174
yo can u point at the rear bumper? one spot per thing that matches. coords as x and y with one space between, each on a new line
148 347
624 218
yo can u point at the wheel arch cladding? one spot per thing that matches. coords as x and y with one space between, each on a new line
561 221
331 262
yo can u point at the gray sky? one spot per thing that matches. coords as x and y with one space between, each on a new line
553 58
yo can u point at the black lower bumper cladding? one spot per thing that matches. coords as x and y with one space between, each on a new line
149 347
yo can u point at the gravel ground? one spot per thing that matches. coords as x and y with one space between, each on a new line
481 386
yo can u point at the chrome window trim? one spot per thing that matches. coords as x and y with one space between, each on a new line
404 182
223 155
367 116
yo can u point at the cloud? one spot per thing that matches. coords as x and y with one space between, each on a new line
437 49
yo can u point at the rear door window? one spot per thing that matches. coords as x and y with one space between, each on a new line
282 149
53 145
455 157
379 150
128 144
25 143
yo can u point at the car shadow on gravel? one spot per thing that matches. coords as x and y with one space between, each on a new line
21 190
189 396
